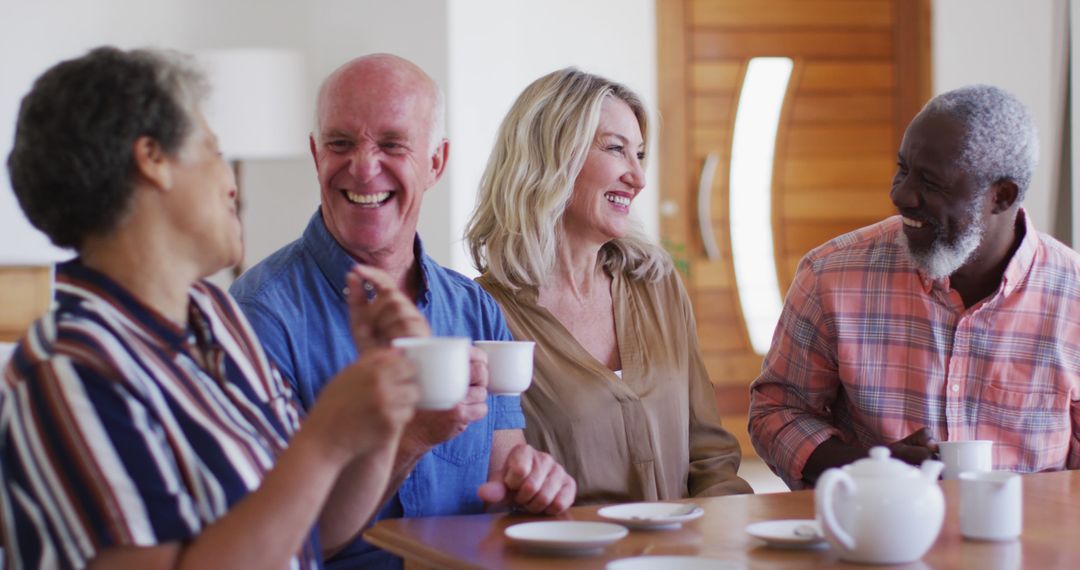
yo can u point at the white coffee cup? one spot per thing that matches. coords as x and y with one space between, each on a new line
510 365
972 455
442 369
991 505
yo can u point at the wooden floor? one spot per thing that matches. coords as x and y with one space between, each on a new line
759 476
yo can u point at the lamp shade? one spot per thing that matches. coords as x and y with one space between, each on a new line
257 102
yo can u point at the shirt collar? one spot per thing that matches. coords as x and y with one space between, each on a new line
428 268
96 284
1024 257
334 262
1019 265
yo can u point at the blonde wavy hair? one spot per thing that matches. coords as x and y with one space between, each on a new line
539 151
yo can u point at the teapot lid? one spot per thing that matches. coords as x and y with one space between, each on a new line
880 464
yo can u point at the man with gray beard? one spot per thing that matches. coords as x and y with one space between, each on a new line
954 320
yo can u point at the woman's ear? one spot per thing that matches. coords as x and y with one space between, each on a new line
151 163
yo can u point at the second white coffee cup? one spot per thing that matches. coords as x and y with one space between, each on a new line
971 455
991 505
510 365
442 369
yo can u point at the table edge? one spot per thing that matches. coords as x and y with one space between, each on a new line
423 556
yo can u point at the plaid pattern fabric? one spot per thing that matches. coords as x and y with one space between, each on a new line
868 349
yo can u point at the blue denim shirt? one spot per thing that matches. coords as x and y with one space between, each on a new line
295 301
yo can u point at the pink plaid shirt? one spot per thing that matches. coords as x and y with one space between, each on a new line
868 349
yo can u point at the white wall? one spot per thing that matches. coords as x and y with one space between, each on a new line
413 29
483 52
1074 49
1019 46
35 35
280 195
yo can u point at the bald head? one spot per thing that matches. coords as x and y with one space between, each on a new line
384 76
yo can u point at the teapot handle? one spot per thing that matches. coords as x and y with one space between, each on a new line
825 487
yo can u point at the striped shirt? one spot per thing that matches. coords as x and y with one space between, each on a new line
113 434
869 350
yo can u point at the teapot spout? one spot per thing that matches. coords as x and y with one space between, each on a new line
931 469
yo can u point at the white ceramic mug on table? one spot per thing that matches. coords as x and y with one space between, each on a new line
442 369
991 505
972 455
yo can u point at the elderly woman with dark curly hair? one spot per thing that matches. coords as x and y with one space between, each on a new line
141 424
620 396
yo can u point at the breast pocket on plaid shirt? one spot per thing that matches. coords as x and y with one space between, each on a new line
1030 430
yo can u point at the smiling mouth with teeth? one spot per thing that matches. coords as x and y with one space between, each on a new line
618 200
367 200
911 223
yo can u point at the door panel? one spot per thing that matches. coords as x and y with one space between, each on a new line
792 13
861 73
25 294
721 44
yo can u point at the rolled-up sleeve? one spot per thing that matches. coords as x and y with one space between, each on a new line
507 412
790 401
714 452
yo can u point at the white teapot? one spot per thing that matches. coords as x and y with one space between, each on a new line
881 510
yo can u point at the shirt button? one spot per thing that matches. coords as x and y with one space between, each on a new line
955 387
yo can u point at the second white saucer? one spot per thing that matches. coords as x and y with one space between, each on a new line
653 516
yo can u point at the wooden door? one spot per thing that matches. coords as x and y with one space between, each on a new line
861 72
25 294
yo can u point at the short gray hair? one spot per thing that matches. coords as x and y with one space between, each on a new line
1000 138
72 161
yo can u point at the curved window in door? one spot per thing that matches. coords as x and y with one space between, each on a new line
753 147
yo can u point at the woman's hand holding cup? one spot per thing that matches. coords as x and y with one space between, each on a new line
364 409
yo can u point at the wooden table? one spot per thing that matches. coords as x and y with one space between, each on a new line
1051 536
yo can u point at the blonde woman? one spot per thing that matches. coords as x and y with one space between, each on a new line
620 395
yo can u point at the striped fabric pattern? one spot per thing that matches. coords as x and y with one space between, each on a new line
869 350
113 434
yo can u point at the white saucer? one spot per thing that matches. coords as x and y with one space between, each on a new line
781 533
649 515
670 562
565 537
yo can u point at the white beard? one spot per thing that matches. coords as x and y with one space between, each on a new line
943 258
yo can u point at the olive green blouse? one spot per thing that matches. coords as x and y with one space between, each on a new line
653 434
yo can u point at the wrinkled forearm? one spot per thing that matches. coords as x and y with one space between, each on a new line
409 453
355 499
263 530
